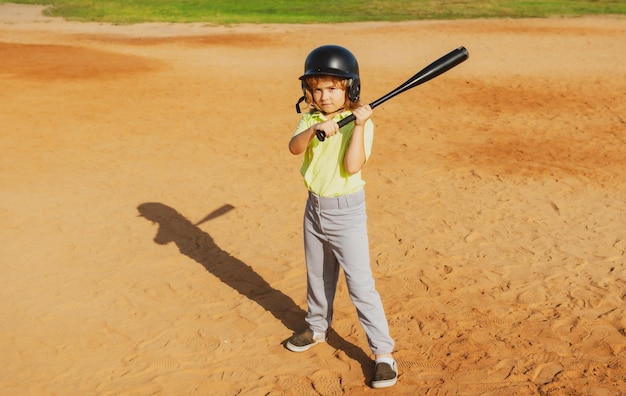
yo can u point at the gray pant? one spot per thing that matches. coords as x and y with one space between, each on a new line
335 236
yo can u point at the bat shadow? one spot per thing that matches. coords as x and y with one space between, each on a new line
199 246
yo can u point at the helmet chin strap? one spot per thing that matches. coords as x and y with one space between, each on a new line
298 104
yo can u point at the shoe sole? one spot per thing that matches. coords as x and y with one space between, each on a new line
384 383
295 348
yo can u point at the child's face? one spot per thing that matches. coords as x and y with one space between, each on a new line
329 95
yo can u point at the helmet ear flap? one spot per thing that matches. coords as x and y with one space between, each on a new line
302 98
354 89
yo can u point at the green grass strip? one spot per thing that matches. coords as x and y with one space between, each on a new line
307 11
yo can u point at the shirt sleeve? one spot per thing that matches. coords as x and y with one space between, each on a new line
304 124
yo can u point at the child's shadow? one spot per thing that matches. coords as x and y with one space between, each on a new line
199 246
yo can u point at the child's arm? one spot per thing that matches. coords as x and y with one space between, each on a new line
299 142
355 154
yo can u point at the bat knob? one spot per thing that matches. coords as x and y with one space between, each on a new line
321 135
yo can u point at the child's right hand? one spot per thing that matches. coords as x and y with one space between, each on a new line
329 127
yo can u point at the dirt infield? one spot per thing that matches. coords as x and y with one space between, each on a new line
151 211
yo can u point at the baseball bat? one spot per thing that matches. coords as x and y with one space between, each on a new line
440 66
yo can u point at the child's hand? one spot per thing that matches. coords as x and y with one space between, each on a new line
362 114
329 127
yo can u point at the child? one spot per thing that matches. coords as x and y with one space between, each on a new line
335 229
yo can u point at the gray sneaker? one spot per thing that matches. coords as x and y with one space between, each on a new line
385 375
304 340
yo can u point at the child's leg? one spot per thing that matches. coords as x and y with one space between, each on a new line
356 265
322 272
351 247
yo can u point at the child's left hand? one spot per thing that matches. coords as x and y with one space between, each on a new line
362 114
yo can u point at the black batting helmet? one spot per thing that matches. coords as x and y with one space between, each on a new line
333 60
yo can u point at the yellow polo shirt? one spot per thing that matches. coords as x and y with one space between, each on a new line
322 165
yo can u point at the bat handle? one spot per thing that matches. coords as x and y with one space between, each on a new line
321 135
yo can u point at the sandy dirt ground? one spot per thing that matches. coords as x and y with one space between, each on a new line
151 212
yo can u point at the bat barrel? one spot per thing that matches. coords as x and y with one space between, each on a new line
440 66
